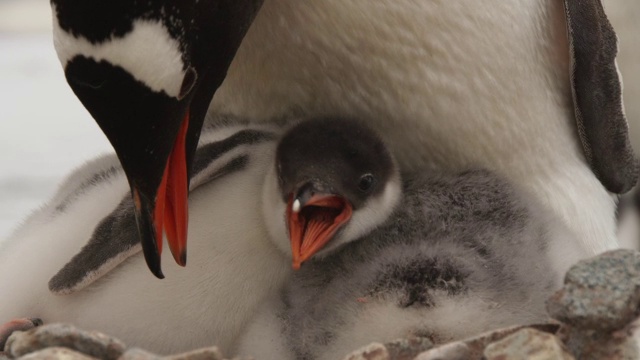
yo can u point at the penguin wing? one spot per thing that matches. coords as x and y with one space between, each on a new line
115 238
597 95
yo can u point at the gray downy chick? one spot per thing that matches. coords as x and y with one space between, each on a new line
439 255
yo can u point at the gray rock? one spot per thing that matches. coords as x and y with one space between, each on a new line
139 354
210 353
10 327
595 345
407 349
452 351
423 349
476 345
527 344
93 344
601 293
402 349
56 353
373 351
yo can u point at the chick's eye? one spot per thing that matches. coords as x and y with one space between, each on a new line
366 182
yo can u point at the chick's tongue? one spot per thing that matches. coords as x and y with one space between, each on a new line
317 223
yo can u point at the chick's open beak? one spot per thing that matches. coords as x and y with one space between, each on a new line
313 220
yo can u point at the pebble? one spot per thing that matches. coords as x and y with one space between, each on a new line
527 344
56 353
91 343
601 293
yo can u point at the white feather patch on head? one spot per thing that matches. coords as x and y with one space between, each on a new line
147 52
374 212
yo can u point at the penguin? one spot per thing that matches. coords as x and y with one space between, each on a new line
78 259
146 71
529 90
382 256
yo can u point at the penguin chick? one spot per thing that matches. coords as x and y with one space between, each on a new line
438 255
92 271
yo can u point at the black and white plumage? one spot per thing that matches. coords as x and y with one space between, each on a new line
454 255
146 71
449 85
78 259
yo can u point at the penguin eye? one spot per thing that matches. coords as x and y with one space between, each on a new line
366 182
188 82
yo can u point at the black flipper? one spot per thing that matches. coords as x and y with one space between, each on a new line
597 95
115 239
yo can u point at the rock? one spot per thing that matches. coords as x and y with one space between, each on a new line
595 345
373 351
56 353
22 324
452 351
598 303
210 353
139 354
601 293
423 348
93 344
407 349
476 345
527 344
403 349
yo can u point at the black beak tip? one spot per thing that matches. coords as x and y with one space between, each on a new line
149 244
153 261
183 258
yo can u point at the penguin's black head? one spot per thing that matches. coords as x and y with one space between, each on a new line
147 71
330 171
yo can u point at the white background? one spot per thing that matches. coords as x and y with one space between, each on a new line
44 130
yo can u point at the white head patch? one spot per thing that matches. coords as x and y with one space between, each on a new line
147 52
372 214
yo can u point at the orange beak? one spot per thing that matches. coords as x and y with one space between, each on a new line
168 212
171 210
313 224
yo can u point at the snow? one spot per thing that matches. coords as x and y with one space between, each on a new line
44 130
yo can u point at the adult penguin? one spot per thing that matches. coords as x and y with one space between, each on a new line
510 90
